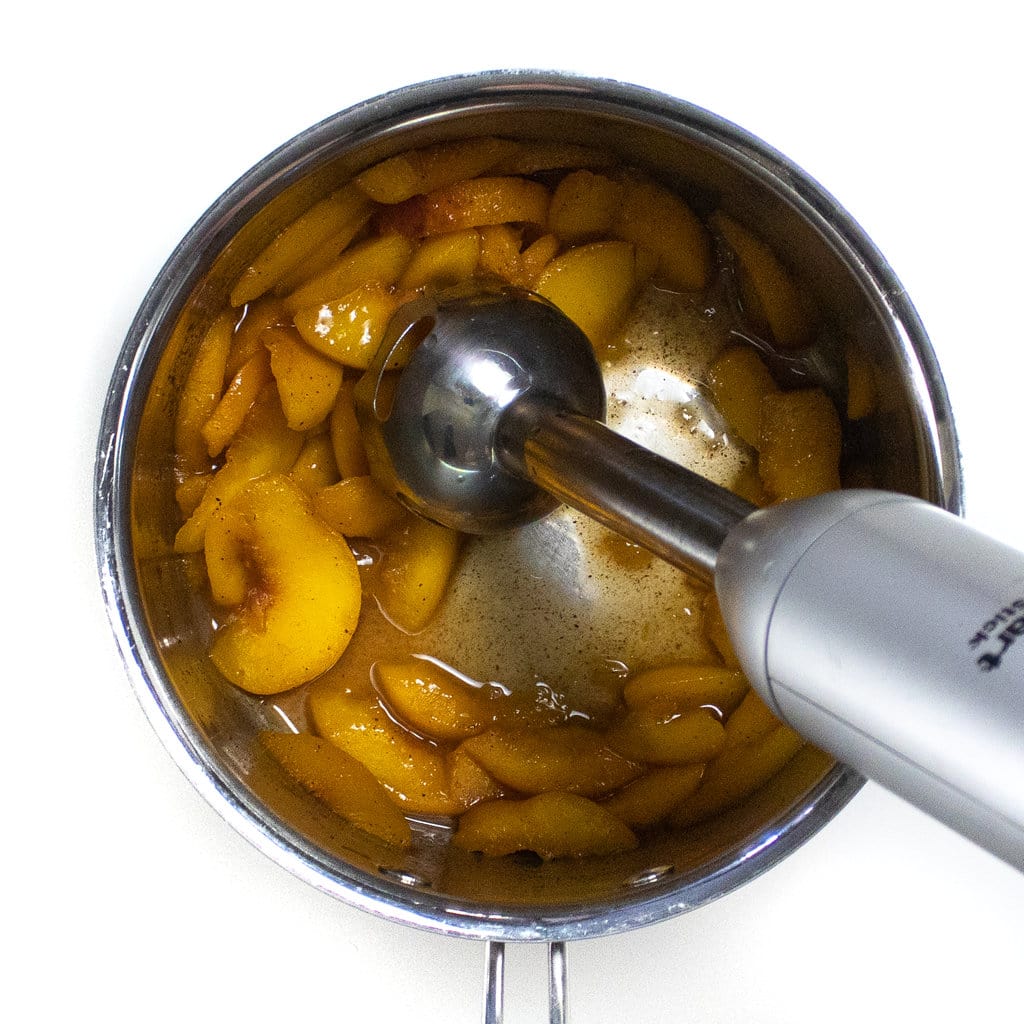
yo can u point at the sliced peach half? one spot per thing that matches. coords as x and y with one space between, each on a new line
414 771
550 825
435 702
341 782
568 757
292 585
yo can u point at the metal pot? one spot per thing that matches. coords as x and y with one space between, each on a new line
162 630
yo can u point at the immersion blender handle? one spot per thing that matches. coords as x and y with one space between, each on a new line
890 633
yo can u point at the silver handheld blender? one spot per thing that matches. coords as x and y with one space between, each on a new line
884 629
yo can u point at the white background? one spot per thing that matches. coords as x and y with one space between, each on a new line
124 896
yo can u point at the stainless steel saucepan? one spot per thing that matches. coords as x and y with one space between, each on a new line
162 629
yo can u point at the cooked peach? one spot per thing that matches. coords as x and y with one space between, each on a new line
203 388
234 405
739 380
303 235
257 317
653 218
659 735
264 444
349 330
413 770
468 782
737 773
433 701
584 206
357 507
594 285
423 170
534 258
377 261
770 287
686 685
752 720
550 825
443 261
300 590
349 455
801 442
419 558
861 391
652 797
341 782
473 203
568 757
307 382
500 249
315 468
714 629
323 257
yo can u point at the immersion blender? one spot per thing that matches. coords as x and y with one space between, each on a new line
885 630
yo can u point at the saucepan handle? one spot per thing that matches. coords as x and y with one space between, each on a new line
494 996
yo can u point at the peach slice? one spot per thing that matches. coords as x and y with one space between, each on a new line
500 248
861 391
752 720
771 290
264 444
423 170
473 203
468 782
658 735
801 443
341 782
293 583
307 382
714 629
550 825
443 261
377 260
435 702
736 774
418 562
349 330
594 285
414 771
687 686
203 388
302 236
231 410
259 316
584 206
653 218
566 757
315 468
357 507
652 797
346 440
739 380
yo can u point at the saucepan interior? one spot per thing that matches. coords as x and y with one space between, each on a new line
163 629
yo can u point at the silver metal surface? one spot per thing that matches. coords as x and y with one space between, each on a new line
558 979
437 445
891 633
502 390
160 628
494 990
